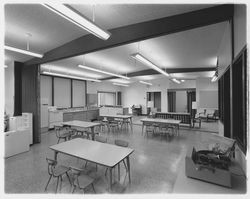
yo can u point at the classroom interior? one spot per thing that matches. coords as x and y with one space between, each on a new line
154 102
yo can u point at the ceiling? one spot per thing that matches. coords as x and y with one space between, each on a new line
188 49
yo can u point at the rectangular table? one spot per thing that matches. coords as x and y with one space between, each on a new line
123 117
161 121
104 154
83 124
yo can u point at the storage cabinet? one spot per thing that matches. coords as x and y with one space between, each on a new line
55 118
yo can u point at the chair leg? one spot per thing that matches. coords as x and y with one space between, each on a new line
93 187
57 184
86 164
68 178
125 165
74 188
58 140
48 183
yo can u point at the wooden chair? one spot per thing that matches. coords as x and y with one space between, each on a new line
62 133
113 124
149 128
80 180
56 171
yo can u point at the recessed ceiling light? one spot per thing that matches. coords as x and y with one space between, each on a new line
78 19
145 61
70 76
104 72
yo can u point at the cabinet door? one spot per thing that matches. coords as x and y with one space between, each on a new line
67 117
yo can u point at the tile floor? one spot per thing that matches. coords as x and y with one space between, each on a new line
154 164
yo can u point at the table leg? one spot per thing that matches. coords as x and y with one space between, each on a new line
55 155
128 166
110 178
93 132
119 172
142 127
131 124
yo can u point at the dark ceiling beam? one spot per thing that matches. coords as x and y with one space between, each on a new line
169 70
137 32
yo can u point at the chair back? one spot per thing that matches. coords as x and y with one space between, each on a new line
101 139
51 165
121 143
58 130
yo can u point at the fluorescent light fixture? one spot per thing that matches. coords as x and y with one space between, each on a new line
182 80
75 17
70 76
101 71
5 66
26 52
176 81
146 83
214 78
120 84
143 60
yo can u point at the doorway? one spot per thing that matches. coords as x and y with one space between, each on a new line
153 102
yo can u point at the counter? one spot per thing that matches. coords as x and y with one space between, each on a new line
56 117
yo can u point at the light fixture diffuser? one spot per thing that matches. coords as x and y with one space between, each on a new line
70 76
176 81
146 83
120 84
145 61
75 17
26 52
104 72
214 78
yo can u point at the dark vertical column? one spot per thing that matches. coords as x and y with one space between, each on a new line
31 97
18 88
231 77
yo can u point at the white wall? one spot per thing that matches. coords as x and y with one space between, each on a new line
186 84
205 84
225 52
136 94
9 89
93 87
181 101
239 28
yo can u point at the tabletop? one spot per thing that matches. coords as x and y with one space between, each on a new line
158 120
118 116
82 124
101 153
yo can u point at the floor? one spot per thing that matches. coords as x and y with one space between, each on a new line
154 163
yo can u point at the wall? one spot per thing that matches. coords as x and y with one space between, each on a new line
93 87
181 101
225 58
205 84
239 43
136 94
225 52
239 28
9 89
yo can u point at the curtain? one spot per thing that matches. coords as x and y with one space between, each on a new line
171 101
191 97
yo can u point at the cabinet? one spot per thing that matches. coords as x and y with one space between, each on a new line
55 118
28 125
16 142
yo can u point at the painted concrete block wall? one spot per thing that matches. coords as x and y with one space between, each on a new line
9 88
205 84
93 87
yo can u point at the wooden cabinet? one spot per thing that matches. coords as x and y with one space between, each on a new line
85 115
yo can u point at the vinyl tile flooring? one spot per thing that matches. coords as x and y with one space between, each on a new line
154 164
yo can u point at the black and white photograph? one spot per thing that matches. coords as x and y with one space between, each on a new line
124 99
